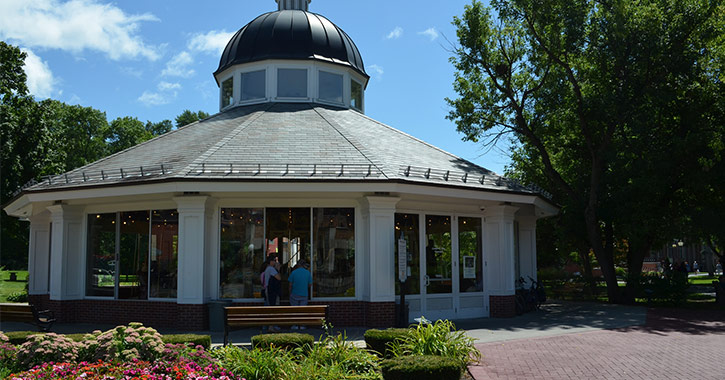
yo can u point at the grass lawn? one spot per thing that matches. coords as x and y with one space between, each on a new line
702 280
8 287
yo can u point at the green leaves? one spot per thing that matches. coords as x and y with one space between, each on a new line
614 107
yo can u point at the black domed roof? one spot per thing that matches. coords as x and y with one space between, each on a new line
291 34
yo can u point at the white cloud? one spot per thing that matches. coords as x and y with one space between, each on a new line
395 33
376 71
212 42
75 26
431 33
41 82
178 66
153 98
167 92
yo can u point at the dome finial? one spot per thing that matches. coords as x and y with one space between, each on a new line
293 4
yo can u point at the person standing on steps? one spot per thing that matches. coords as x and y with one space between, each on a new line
272 285
300 282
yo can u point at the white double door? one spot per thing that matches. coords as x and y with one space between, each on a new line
446 280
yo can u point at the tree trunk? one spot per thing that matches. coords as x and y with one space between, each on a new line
587 268
604 253
635 259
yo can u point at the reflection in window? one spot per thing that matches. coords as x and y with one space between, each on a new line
356 95
164 253
292 83
334 256
142 259
241 252
101 264
288 238
470 255
253 85
133 255
407 227
330 87
438 254
227 92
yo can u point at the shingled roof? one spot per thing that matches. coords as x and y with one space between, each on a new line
280 142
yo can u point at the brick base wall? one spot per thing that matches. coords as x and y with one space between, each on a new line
502 306
169 315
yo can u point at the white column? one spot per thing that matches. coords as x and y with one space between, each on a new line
527 246
66 253
498 240
380 225
192 241
39 254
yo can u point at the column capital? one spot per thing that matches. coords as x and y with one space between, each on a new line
61 211
381 203
191 203
504 211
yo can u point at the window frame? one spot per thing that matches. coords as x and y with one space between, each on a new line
233 101
263 99
216 272
308 80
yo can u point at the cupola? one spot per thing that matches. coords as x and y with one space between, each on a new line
291 55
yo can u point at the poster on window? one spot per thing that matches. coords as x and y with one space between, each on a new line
469 266
402 260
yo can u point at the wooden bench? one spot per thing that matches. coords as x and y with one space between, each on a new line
12 312
236 317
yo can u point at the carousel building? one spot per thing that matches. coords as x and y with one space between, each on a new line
291 167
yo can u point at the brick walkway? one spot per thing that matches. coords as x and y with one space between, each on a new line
673 344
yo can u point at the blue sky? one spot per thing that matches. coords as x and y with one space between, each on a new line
153 59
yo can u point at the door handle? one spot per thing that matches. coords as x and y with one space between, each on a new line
427 280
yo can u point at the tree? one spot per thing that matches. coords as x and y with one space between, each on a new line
49 137
188 117
613 104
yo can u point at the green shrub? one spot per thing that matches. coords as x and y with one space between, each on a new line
8 354
440 338
336 355
126 343
19 337
255 364
421 367
18 297
42 348
620 272
286 341
551 274
379 340
670 288
186 339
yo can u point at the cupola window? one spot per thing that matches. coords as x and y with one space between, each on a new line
330 87
227 92
253 85
291 83
356 95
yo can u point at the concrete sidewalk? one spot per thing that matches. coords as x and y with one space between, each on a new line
554 318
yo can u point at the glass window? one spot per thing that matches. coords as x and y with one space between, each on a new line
334 255
292 83
133 255
164 253
227 92
101 265
330 87
355 95
407 227
438 254
288 238
254 85
470 255
241 252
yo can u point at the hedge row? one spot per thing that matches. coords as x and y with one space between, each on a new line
19 337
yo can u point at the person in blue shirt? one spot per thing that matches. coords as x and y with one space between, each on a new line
300 282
